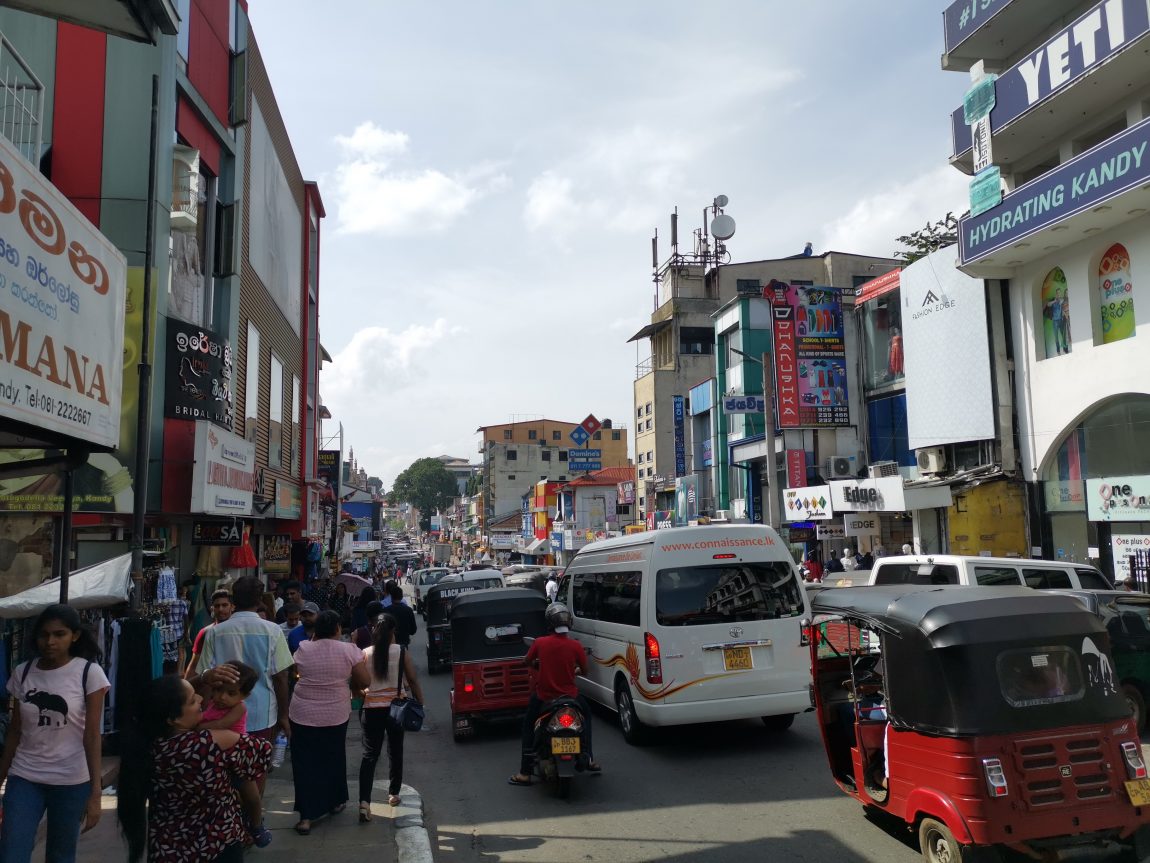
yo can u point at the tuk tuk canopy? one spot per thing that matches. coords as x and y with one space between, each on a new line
984 660
493 624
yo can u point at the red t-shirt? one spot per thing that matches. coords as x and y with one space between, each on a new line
558 657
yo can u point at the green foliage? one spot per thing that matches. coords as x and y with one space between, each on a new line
428 486
472 485
930 238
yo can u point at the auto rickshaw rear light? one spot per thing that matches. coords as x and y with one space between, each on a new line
807 633
995 777
468 684
1135 766
653 659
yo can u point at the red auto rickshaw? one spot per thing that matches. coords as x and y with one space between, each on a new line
988 719
489 640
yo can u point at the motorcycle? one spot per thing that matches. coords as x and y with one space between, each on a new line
559 746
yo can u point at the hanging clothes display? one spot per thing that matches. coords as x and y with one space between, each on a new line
166 585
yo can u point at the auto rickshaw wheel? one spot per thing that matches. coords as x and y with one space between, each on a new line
937 843
1137 704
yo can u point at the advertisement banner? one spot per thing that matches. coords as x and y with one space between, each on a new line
796 468
1123 546
680 440
1066 495
199 375
1118 498
584 459
626 493
275 554
810 357
289 503
217 533
686 500
830 530
947 370
62 292
963 18
811 503
223 477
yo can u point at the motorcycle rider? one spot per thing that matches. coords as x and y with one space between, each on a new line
558 658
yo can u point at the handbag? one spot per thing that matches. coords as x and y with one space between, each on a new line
407 712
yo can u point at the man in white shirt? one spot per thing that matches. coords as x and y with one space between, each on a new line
848 561
551 588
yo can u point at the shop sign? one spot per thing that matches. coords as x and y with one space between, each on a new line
217 533
363 545
223 477
1104 172
1065 495
659 519
503 541
62 292
862 525
275 554
1123 546
1120 498
626 493
830 530
1069 55
810 503
556 540
796 468
199 376
680 439
584 459
744 405
880 494
289 503
708 453
327 468
963 18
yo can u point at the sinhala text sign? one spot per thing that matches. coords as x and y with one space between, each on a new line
62 286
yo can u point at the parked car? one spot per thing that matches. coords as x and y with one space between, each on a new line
970 570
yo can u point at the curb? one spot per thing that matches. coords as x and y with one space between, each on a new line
412 842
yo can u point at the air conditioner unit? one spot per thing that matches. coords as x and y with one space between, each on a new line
931 459
882 468
838 467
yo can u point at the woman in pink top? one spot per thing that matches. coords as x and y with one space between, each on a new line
319 711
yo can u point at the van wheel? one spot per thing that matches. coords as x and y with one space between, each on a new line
937 843
1137 705
779 723
634 731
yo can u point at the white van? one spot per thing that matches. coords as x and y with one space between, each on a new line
691 624
969 570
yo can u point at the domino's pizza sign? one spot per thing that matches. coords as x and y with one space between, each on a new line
585 430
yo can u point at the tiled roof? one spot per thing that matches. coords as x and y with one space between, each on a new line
607 476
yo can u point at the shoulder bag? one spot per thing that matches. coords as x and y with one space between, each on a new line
407 712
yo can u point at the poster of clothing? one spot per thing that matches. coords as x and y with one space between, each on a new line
686 500
881 305
1116 294
1055 314
810 356
275 554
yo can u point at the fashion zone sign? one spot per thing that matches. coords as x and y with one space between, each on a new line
882 494
223 478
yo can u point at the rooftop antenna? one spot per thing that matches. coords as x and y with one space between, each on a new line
675 233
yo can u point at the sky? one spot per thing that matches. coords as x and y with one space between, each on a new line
493 172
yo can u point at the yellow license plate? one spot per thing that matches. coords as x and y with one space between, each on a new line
1139 791
564 745
737 658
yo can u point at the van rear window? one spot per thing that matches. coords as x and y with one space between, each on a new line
697 595
917 573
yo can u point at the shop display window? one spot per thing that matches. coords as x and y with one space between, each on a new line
882 334
1056 314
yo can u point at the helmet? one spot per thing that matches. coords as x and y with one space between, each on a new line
558 615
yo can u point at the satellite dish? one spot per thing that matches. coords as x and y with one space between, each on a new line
721 201
722 227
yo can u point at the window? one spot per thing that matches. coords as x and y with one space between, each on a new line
275 412
802 282
648 425
650 471
616 435
619 597
511 476
640 458
642 501
1092 579
639 412
882 336
650 455
507 433
858 281
647 409
512 455
996 575
532 434
622 509
1047 579
562 455
1040 675
556 435
696 595
916 573
597 436
562 477
292 427
546 455
698 341
1055 314
252 384
585 596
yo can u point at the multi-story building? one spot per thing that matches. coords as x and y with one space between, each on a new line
1069 132
590 508
461 469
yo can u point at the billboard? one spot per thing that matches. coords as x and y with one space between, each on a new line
686 500
199 375
947 371
810 357
223 476
680 436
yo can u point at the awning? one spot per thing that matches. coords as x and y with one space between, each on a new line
884 284
96 586
537 547
650 330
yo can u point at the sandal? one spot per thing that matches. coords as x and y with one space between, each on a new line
364 813
519 779
303 828
335 810
594 767
392 799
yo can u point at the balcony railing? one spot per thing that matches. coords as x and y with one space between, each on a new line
21 103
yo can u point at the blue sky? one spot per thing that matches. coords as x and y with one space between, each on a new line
493 172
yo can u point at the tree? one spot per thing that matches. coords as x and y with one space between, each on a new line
930 238
472 485
428 486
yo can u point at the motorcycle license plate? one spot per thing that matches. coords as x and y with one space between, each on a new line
1139 791
564 745
737 658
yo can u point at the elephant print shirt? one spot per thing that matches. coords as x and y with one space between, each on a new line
52 719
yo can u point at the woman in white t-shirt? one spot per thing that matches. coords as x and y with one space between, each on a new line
51 755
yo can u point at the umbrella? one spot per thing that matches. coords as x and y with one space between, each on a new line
354 583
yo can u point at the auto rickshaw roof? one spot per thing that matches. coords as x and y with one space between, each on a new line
484 603
953 616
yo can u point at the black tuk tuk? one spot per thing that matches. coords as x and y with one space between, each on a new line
489 632
437 606
986 718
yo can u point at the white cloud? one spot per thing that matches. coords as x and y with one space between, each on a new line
377 363
871 225
375 197
549 201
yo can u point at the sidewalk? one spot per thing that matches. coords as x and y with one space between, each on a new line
340 834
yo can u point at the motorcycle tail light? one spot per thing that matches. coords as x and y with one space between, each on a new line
565 720
653 659
995 777
468 684
1135 766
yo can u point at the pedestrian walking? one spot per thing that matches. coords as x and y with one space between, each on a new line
51 755
404 617
222 609
359 611
383 661
551 588
361 638
340 603
319 713
177 792
306 628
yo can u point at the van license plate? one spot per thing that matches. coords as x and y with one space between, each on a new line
737 658
564 745
1139 791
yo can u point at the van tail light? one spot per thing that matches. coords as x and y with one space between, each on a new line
1135 766
653 659
808 633
468 684
565 719
995 777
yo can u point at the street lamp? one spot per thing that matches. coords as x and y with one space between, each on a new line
771 496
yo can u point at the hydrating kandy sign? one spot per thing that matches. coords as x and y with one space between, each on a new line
1096 176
